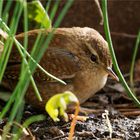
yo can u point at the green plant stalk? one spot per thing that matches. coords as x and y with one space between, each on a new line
48 5
13 25
1 5
18 97
7 106
36 54
25 31
39 37
6 130
4 60
21 107
19 115
4 57
133 60
34 61
117 69
54 9
5 13
29 122
64 10
36 48
25 48
19 47
30 75
8 45
22 85
38 95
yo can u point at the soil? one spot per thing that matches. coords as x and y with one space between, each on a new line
123 115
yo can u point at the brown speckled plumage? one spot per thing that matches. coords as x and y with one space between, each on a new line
69 59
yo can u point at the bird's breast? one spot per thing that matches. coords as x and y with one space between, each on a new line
88 83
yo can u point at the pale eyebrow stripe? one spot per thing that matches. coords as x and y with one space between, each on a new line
91 49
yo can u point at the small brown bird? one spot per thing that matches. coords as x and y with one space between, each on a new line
79 56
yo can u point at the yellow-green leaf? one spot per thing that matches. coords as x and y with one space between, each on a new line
58 104
37 13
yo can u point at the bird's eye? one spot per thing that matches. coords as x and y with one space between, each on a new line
93 58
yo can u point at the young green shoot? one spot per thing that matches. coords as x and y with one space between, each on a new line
114 60
57 105
133 60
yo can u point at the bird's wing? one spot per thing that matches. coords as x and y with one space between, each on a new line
59 62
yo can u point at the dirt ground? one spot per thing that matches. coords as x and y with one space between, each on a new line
124 117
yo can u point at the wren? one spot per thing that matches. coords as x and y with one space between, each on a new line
79 56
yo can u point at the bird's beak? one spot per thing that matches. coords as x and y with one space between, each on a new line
112 74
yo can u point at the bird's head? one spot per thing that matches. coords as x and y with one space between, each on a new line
98 51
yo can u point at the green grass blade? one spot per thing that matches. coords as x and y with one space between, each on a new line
1 5
28 122
25 77
133 60
5 13
48 5
54 9
8 45
19 116
25 48
115 64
